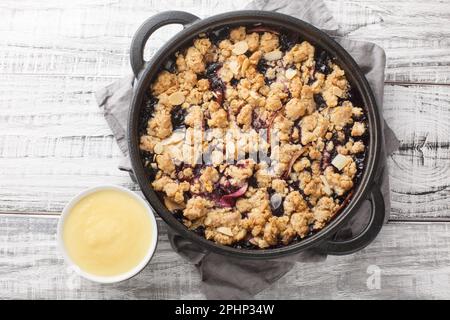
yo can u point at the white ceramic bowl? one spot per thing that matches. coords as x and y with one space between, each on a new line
116 278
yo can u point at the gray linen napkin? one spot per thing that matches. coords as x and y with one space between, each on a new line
231 278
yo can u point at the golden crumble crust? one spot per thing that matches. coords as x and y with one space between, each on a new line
160 126
174 190
196 208
224 226
194 60
208 178
165 163
294 202
246 91
164 82
269 42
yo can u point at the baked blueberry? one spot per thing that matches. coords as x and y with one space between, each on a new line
177 117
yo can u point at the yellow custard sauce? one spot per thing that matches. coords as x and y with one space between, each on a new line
107 233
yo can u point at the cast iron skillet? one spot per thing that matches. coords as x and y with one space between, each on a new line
367 189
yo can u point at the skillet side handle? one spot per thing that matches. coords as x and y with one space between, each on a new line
370 232
130 172
148 28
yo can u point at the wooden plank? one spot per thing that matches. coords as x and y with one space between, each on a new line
54 135
420 169
413 260
49 117
411 32
54 143
92 38
84 37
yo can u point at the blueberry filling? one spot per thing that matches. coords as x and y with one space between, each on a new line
320 101
218 35
200 230
178 214
326 160
147 160
262 66
147 157
359 160
213 77
216 83
170 65
146 113
226 188
198 170
181 166
225 194
244 244
354 96
323 63
252 182
276 203
177 117
288 41
311 228
212 69
257 122
347 131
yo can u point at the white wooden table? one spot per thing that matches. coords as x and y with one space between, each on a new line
54 142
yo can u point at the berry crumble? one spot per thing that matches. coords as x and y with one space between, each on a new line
252 137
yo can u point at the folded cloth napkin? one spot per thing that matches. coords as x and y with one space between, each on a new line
229 278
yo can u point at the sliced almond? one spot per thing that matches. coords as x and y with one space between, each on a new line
159 148
290 73
337 91
226 74
276 200
216 157
225 230
176 98
234 66
209 136
172 205
176 137
340 161
240 47
217 133
176 153
273 55
326 186
245 65
187 153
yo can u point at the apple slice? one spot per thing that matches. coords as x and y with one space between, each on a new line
340 161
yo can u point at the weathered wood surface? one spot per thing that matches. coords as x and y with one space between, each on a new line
413 34
55 56
54 142
420 169
58 136
92 38
413 260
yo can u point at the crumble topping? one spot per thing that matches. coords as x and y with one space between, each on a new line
224 226
197 208
253 139
160 125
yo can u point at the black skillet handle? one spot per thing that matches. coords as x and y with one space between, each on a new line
370 232
150 26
